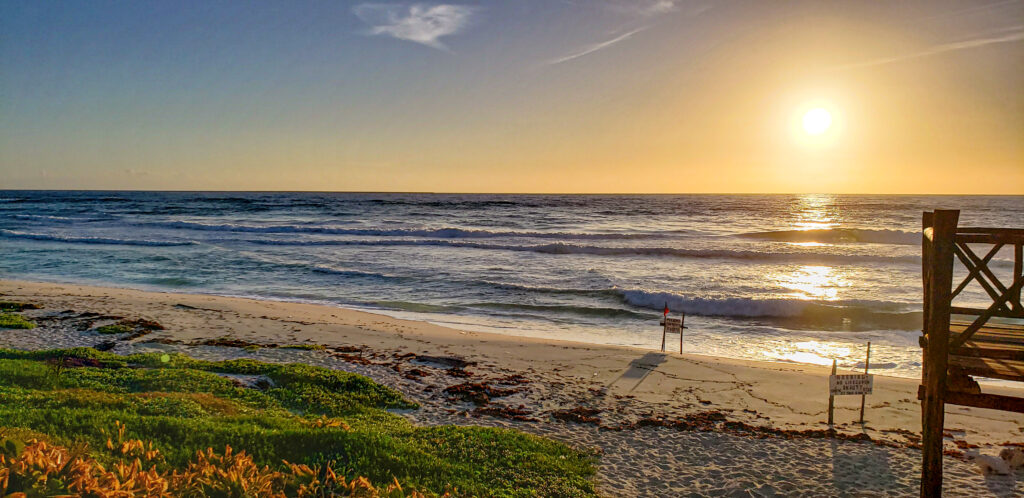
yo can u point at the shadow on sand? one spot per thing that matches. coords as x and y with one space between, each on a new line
638 370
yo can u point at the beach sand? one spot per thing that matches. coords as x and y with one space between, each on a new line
663 423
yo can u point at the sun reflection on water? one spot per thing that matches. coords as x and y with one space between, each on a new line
815 212
812 282
813 352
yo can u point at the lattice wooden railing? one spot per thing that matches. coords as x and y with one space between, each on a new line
955 351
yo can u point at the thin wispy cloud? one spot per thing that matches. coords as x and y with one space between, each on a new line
1014 34
644 8
633 13
420 23
589 49
657 7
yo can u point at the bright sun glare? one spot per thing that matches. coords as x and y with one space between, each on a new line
817 121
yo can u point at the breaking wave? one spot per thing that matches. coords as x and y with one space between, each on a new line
859 314
647 305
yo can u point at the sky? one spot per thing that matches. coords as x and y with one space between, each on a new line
600 96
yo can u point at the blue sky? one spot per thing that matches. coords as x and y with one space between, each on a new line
506 96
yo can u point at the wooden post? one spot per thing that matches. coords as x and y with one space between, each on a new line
863 397
831 399
938 288
1018 270
664 331
927 221
682 325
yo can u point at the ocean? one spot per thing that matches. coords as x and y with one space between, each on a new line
798 278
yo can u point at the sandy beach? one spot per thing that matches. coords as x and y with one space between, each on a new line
663 422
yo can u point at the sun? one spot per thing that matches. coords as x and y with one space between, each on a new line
817 121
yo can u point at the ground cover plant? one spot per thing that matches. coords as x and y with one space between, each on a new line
15 321
292 425
10 319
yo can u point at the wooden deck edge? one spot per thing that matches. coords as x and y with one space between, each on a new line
990 401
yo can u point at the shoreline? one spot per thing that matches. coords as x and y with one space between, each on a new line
586 394
417 317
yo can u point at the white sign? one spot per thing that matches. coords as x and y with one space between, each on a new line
839 385
674 325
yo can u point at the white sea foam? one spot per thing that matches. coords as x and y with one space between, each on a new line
439 233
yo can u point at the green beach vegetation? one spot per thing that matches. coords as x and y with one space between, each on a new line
291 424
15 321
9 317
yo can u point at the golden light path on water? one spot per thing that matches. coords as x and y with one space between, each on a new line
815 212
812 282
813 352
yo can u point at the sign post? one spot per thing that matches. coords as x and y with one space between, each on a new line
664 332
849 384
682 317
831 395
867 361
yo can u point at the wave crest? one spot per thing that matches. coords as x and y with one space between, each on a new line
438 233
856 314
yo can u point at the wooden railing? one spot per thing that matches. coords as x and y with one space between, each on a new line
995 352
1005 299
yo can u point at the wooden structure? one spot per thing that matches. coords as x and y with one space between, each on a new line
961 342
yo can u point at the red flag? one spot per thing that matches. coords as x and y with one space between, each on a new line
666 308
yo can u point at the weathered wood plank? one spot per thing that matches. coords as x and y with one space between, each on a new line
994 368
991 327
984 317
989 238
960 310
992 230
1011 352
996 334
983 400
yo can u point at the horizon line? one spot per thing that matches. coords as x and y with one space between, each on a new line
427 192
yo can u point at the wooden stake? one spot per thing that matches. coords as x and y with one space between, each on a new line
664 331
867 361
682 325
1018 270
831 399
